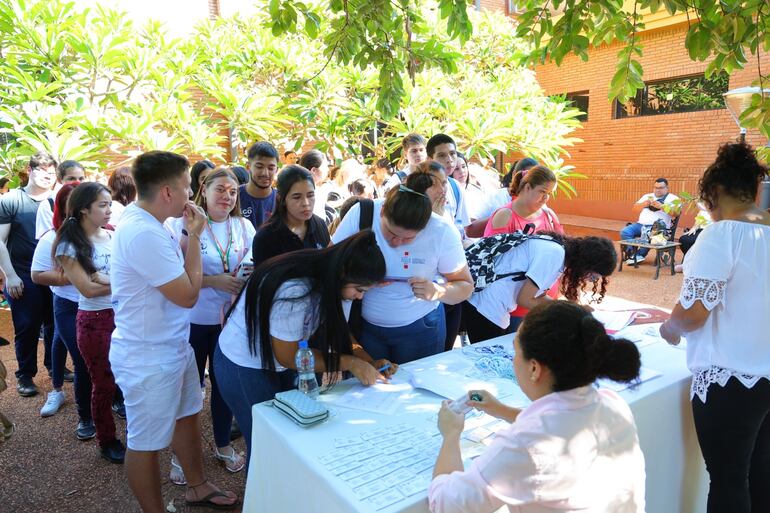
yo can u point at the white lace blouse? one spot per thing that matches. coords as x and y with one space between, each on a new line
728 271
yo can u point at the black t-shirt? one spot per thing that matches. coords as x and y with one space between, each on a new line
19 210
275 239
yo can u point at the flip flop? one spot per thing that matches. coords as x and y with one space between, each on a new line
206 501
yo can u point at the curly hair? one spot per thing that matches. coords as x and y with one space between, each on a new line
735 173
584 256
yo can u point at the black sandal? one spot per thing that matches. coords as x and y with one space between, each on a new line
206 501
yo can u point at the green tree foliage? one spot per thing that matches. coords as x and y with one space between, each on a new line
729 34
90 85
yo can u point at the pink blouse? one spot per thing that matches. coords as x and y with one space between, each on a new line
576 450
545 220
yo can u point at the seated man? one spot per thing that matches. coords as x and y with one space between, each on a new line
651 208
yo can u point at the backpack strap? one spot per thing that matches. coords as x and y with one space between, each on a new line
366 219
401 176
455 191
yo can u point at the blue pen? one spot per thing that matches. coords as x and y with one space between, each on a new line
383 368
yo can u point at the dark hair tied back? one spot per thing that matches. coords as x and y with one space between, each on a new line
736 172
575 347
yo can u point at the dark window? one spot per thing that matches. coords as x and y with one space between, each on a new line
682 94
579 100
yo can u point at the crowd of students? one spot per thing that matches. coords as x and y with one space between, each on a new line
147 300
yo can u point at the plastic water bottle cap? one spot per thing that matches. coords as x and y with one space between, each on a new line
303 344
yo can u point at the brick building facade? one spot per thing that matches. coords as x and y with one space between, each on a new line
621 157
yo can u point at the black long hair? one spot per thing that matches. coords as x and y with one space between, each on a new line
357 260
582 256
81 198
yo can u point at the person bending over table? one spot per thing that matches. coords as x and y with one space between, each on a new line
292 297
426 267
574 448
578 261
723 309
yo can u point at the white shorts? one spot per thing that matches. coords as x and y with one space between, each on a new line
156 396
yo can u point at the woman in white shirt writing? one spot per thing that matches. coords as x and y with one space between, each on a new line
574 448
293 297
724 310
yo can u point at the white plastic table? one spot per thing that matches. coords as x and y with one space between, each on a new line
286 473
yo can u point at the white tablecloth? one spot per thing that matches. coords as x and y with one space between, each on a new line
286 474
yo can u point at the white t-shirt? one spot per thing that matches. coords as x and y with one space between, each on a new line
44 216
437 250
101 258
321 193
394 180
208 309
148 327
494 200
457 206
648 217
42 261
727 271
116 211
293 317
542 260
475 199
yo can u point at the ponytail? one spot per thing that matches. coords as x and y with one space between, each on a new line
71 232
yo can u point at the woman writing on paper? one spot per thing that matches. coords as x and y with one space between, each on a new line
293 297
723 311
573 449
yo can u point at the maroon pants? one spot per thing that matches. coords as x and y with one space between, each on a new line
94 332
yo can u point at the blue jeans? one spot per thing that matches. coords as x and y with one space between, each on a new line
64 315
633 231
424 337
203 340
30 312
243 387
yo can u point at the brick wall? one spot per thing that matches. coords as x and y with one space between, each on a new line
622 157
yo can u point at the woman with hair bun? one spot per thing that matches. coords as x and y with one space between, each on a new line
574 448
723 310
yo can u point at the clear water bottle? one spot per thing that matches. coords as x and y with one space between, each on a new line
305 361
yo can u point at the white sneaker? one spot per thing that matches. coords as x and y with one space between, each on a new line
52 403
634 260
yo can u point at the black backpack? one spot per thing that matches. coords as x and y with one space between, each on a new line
482 254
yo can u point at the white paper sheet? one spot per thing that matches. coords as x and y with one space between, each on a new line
614 321
380 398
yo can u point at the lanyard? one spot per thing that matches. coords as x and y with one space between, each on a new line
224 254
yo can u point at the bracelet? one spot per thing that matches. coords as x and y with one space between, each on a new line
189 235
